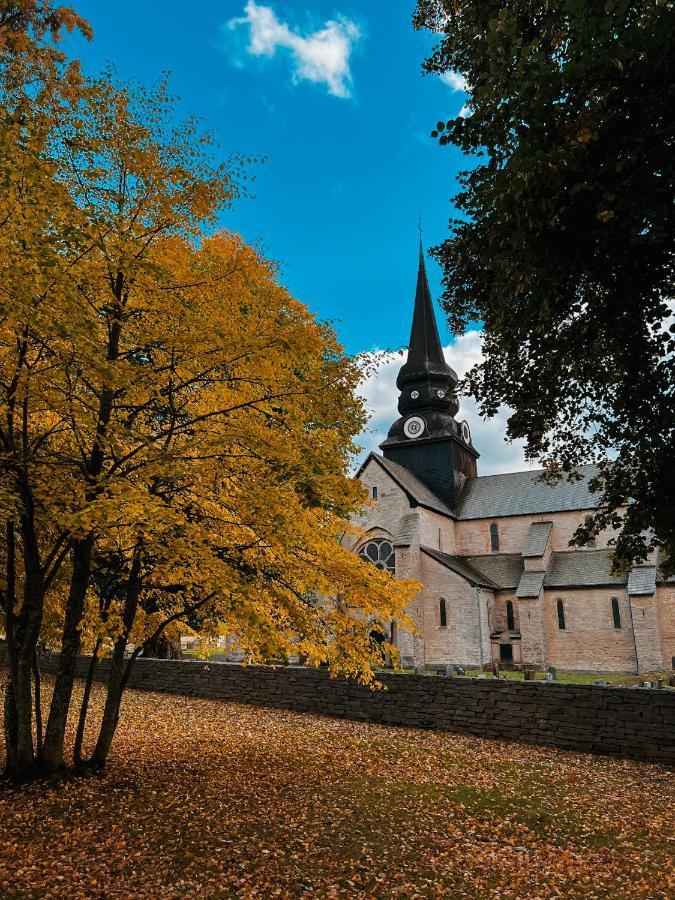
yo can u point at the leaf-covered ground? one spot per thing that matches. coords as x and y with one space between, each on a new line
211 799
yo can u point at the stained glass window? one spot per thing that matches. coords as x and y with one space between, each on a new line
380 552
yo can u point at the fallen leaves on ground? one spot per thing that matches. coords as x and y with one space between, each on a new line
211 799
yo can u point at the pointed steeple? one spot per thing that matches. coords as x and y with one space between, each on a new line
425 353
427 439
425 380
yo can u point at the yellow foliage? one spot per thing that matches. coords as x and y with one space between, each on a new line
165 396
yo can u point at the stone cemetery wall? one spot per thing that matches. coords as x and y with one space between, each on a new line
632 722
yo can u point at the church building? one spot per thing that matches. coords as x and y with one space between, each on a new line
500 580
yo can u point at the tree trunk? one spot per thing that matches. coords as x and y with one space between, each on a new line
113 702
116 679
162 647
38 698
84 707
53 751
22 634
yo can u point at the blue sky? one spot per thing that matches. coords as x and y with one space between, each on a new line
334 97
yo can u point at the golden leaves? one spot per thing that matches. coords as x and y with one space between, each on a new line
210 799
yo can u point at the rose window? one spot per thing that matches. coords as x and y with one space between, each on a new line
379 552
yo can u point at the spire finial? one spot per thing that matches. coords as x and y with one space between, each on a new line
419 226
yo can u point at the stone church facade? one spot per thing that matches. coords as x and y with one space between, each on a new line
500 581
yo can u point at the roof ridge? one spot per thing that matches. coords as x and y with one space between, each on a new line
526 472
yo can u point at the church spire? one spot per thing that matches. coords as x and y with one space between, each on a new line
427 439
425 353
425 379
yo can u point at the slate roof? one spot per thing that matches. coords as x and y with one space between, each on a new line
537 538
522 493
504 569
530 584
405 529
459 565
581 568
413 487
642 580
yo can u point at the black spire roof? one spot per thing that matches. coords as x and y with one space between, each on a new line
425 353
427 440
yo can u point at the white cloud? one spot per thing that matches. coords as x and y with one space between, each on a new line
454 80
320 56
381 396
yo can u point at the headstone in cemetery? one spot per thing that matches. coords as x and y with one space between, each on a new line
551 674
449 670
529 674
495 670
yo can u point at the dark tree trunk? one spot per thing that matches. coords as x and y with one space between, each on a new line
38 698
116 677
113 702
162 647
23 629
84 707
53 751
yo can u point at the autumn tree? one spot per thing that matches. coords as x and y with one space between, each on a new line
176 430
565 250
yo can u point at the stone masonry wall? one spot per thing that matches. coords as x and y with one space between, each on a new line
630 722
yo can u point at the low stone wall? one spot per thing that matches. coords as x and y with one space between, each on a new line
632 722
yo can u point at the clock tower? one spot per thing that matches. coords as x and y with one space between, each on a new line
427 440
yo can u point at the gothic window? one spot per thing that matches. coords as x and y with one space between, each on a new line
375 493
380 552
616 612
588 524
442 613
510 618
494 537
561 614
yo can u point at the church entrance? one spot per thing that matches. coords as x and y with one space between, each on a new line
506 654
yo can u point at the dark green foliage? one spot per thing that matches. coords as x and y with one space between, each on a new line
565 253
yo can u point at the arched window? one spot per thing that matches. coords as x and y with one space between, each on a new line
494 537
616 612
588 524
442 613
380 552
561 614
510 619
375 492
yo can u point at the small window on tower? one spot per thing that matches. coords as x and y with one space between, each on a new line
443 615
374 493
494 537
510 618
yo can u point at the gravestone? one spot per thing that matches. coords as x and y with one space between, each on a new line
551 674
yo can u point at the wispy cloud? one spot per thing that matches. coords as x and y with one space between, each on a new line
454 80
381 396
320 56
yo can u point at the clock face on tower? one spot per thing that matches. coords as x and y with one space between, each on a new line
414 427
414 394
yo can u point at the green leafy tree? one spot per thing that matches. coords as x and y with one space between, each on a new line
565 248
